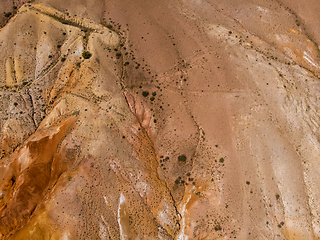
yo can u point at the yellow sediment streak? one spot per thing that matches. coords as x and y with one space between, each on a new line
9 79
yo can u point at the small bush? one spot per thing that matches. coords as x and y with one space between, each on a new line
217 227
63 59
59 46
15 104
221 160
7 14
145 93
182 158
126 63
86 55
109 26
247 182
118 55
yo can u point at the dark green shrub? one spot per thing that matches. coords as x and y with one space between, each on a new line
86 55
145 93
182 158
217 227
7 14
118 55
63 59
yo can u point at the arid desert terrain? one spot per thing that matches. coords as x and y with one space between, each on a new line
166 119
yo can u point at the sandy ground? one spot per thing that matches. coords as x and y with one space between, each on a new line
185 119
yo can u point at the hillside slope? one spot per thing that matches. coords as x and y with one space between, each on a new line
184 119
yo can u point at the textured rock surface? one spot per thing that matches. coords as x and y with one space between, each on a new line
190 119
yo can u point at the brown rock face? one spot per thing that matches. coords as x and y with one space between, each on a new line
191 119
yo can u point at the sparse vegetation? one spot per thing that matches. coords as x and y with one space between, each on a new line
217 227
86 54
7 14
63 21
118 55
177 181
